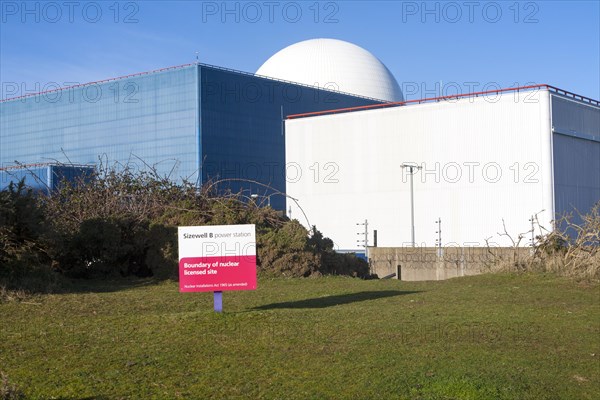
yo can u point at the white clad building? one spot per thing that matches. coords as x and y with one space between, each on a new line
487 161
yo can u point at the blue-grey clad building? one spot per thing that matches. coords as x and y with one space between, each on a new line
194 122
46 177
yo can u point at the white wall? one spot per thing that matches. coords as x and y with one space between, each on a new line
350 170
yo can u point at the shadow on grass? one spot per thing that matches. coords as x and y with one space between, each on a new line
330 301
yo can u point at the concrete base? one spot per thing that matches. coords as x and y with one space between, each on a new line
432 264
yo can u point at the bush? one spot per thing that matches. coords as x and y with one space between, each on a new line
103 226
334 263
120 223
104 247
24 262
285 251
161 256
571 249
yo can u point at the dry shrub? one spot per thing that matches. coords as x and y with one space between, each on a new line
121 222
8 295
571 249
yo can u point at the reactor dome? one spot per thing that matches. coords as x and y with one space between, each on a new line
336 65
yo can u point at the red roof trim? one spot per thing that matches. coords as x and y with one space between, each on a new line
437 99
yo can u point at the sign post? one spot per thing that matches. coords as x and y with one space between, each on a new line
218 300
216 259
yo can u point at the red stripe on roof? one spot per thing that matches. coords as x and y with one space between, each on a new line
437 99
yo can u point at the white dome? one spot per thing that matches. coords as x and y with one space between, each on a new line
335 65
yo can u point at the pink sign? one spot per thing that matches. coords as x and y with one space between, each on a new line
217 258
210 274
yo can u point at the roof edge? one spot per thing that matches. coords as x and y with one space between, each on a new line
450 97
181 67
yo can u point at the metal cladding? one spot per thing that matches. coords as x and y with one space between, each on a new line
195 122
487 163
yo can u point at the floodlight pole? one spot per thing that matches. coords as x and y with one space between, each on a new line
411 168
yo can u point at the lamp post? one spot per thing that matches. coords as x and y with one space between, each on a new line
411 170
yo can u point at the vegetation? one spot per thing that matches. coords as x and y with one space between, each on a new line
23 260
125 224
120 223
571 248
131 334
495 336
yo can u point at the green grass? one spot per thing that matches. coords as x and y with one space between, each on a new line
484 337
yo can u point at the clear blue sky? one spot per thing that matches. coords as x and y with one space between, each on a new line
471 44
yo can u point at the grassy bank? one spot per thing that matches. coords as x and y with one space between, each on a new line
484 337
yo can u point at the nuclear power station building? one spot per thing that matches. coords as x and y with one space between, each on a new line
481 164
194 122
323 132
